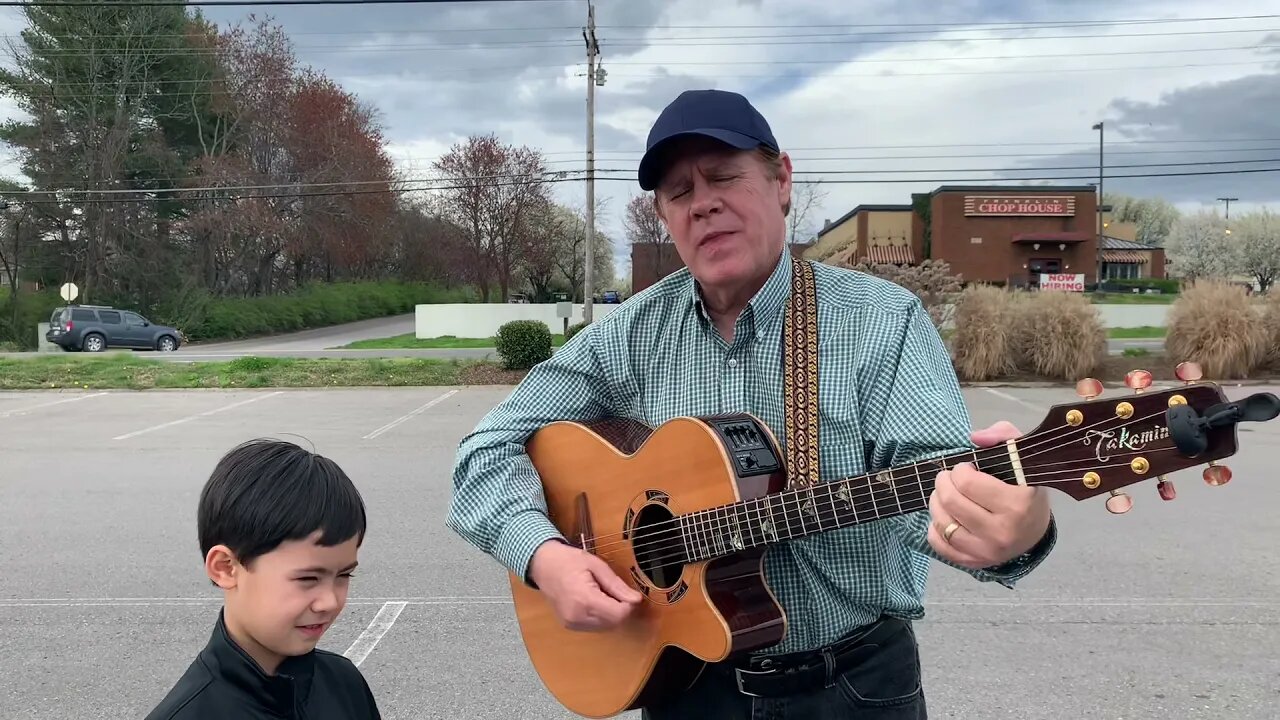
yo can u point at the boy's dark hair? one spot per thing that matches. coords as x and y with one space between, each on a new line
265 492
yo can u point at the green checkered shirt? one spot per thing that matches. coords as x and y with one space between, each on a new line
888 395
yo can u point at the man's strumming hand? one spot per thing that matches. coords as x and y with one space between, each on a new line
584 591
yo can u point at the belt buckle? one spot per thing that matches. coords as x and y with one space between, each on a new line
739 673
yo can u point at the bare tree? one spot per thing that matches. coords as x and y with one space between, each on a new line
806 196
643 227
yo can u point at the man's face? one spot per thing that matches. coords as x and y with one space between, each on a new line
285 601
723 209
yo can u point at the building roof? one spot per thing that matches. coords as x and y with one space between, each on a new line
1015 188
861 208
1111 243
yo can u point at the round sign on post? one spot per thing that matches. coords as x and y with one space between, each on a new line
69 291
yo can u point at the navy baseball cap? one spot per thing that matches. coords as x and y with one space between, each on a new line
720 114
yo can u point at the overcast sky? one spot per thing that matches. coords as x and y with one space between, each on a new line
859 91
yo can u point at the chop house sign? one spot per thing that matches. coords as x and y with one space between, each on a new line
1050 205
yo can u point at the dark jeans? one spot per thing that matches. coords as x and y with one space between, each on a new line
880 682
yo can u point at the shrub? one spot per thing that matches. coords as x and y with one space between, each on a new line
1215 324
573 330
523 343
931 281
1271 326
1058 335
981 344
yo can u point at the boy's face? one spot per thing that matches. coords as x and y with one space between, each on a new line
285 601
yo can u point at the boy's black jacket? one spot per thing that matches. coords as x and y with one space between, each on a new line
223 682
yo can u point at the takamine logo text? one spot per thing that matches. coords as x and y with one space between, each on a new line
1110 442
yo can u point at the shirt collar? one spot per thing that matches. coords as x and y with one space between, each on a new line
280 692
769 300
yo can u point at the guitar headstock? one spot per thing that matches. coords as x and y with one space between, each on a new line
1099 445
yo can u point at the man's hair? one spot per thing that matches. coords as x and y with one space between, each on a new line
265 492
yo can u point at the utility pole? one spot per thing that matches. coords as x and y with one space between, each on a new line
1228 201
593 51
1098 260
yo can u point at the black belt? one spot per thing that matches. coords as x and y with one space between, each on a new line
773 676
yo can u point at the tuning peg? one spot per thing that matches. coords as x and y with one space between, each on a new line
1119 502
1216 475
1137 380
1167 491
1089 388
1188 372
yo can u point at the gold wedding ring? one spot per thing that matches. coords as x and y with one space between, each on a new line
950 530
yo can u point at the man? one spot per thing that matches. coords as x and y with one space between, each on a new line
708 339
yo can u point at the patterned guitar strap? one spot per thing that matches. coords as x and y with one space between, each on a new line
800 377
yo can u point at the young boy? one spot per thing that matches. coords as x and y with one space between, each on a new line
279 528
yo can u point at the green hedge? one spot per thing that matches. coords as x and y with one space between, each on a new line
202 317
523 343
1161 284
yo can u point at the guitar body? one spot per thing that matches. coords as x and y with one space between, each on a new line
610 486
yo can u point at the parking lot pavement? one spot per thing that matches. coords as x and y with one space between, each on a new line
1171 610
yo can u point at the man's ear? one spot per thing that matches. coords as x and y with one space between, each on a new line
784 179
222 567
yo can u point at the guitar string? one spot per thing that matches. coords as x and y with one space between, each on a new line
675 550
703 517
707 520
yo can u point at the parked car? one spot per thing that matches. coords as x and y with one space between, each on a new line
94 328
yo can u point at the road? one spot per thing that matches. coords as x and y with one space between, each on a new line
324 343
1169 611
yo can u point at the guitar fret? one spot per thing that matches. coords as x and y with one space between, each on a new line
850 501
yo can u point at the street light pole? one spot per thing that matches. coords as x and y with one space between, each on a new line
1098 277
593 50
1228 201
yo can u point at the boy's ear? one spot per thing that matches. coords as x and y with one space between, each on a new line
222 567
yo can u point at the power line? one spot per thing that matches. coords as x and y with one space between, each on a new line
969 26
997 23
562 175
21 196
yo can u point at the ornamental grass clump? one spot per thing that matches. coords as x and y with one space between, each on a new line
1217 325
981 344
1058 335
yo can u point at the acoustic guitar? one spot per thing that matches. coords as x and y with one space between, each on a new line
685 512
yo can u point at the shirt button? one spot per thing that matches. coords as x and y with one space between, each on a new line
733 362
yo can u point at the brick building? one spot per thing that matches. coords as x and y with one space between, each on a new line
993 234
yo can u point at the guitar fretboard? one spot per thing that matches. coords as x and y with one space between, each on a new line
829 506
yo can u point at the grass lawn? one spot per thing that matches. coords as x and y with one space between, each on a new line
1145 331
1131 299
127 371
409 341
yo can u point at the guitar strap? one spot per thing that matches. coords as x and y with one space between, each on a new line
800 376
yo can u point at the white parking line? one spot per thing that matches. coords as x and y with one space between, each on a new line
1011 398
403 418
197 416
29 408
368 639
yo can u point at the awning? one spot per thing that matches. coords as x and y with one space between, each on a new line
1125 256
890 254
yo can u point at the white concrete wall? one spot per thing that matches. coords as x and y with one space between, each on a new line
482 320
1124 316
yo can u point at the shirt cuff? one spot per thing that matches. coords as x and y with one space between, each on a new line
520 537
1014 570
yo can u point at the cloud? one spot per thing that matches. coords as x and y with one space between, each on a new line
860 91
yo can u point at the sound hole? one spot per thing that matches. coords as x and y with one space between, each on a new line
658 545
